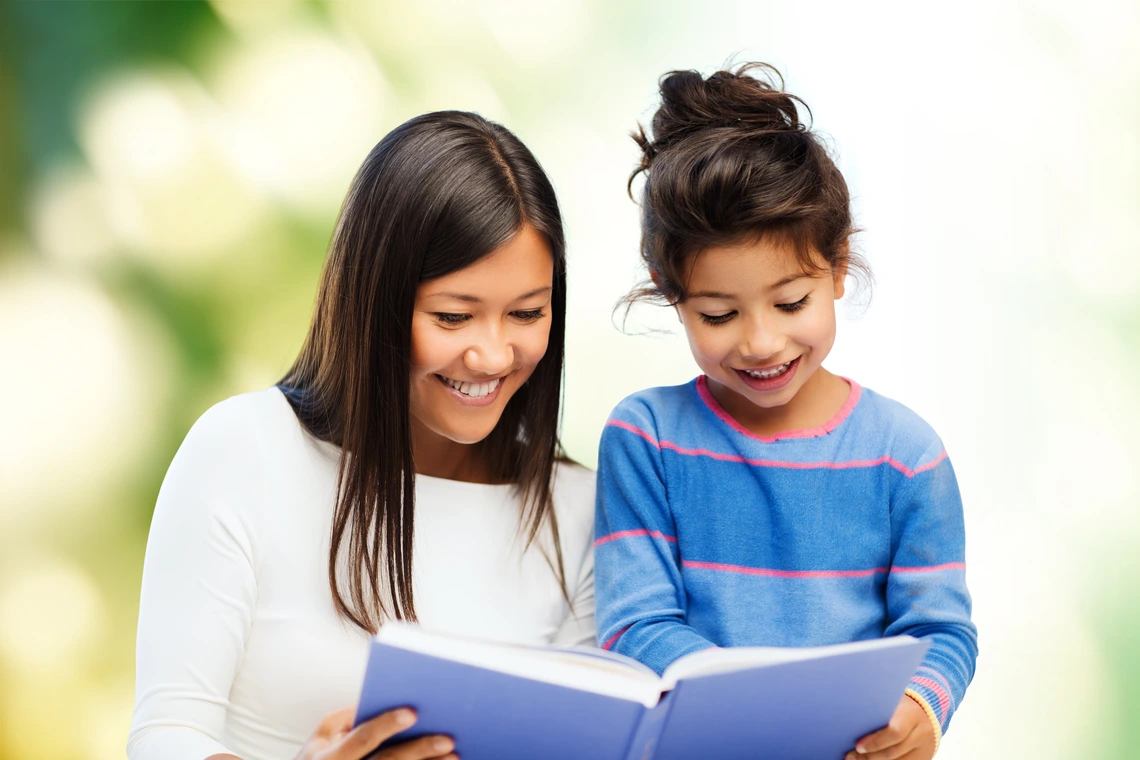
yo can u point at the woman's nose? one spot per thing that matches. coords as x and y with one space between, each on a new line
493 354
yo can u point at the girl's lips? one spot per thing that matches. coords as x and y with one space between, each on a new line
771 383
466 400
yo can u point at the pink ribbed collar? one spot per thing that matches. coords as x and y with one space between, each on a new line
815 432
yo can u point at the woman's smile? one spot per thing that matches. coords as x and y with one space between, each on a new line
473 393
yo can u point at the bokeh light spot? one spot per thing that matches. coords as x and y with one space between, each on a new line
51 617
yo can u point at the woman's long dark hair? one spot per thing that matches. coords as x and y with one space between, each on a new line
437 194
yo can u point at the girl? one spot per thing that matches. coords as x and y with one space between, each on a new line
769 501
427 392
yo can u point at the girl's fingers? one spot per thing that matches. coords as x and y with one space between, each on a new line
899 746
366 737
893 733
433 747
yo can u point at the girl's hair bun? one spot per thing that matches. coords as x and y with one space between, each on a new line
736 101
730 159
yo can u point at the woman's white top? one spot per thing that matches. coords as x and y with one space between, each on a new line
240 649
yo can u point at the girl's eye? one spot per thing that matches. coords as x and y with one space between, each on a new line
793 306
451 319
530 315
717 319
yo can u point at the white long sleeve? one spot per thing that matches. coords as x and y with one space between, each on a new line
240 649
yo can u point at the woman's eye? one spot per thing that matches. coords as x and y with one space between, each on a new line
530 315
793 306
717 319
451 319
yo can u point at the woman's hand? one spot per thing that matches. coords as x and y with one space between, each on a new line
336 739
909 736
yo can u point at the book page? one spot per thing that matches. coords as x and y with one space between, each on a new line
710 662
600 658
593 670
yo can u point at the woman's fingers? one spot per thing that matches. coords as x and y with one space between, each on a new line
366 737
336 723
424 748
350 743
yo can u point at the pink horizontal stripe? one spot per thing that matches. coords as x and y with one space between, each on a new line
930 568
941 679
885 459
773 573
943 697
613 639
815 432
634 533
770 573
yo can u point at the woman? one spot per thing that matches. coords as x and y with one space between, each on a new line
426 394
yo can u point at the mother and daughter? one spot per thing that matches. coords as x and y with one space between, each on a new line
408 465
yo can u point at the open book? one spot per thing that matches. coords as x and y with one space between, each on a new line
513 702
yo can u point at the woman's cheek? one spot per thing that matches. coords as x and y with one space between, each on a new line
533 344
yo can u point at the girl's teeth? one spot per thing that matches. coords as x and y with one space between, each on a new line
766 374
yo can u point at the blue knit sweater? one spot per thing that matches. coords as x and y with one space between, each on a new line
709 535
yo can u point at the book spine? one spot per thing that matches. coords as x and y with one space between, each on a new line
643 743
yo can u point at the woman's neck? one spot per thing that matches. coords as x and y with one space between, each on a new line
440 457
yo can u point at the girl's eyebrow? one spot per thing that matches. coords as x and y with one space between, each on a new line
466 298
729 296
711 294
787 280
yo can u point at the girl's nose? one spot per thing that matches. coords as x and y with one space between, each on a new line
759 343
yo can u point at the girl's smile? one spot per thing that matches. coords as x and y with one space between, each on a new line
771 378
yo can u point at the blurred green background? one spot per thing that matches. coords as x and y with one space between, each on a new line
170 174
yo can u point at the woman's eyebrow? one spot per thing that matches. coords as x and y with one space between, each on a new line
467 298
536 292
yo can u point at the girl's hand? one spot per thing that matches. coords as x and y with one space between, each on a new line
909 736
336 739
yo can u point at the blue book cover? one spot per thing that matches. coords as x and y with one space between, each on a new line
513 702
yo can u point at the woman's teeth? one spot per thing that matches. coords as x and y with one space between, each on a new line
474 390
768 374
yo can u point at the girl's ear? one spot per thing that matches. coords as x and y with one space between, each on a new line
839 269
656 278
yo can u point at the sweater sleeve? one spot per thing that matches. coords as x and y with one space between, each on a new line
641 595
926 589
199 589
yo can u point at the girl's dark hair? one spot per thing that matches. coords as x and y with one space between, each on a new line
729 159
437 194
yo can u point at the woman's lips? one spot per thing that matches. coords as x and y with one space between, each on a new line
473 394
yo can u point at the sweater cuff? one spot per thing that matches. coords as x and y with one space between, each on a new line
926 708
